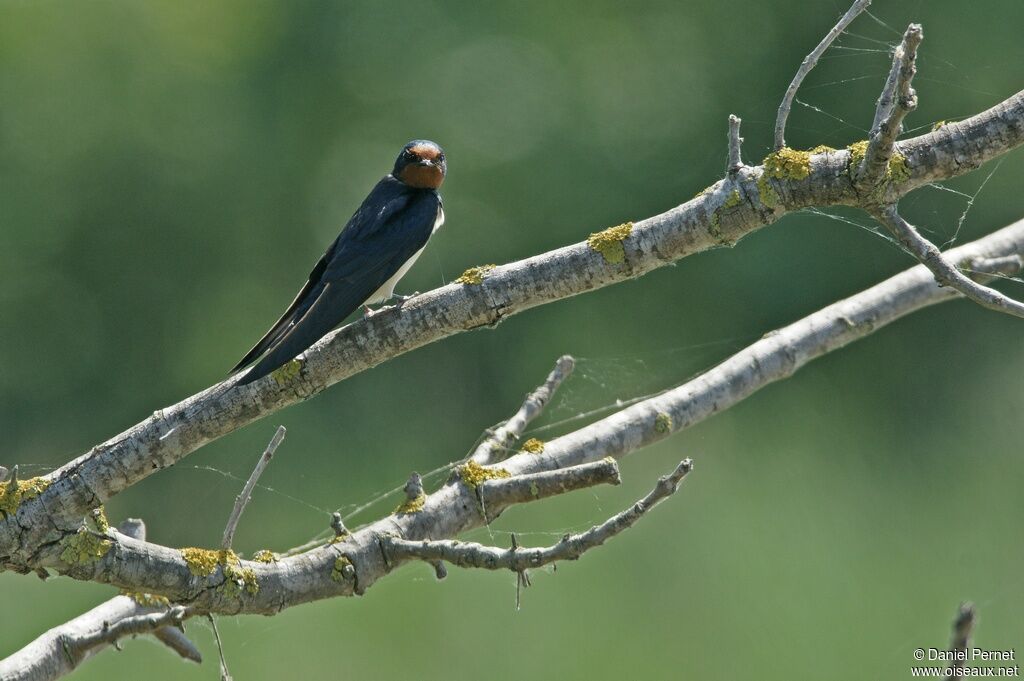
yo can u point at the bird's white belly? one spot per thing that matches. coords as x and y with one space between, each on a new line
388 288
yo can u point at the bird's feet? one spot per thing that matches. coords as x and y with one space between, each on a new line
401 300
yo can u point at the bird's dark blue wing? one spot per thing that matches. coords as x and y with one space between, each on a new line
392 224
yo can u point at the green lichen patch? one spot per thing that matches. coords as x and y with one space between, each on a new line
609 242
338 570
147 600
287 372
663 423
733 200
12 495
265 556
84 547
788 164
239 580
767 192
534 490
412 505
475 276
473 474
533 446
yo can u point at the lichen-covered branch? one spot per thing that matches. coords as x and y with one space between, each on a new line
518 559
221 582
243 497
731 208
896 101
498 443
61 650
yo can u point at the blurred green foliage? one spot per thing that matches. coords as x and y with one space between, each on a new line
169 171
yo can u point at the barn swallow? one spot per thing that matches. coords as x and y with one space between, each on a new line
378 245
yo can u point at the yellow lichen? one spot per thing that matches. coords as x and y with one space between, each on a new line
821 149
938 124
533 446
148 600
99 516
238 580
609 242
663 423
788 164
733 200
203 562
11 496
767 193
412 505
898 170
475 276
473 474
287 372
714 226
264 556
338 570
857 152
84 547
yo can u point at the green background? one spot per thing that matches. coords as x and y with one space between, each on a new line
169 171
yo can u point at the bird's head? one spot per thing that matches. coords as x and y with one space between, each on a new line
421 164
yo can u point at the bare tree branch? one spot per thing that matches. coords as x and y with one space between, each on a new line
963 627
571 547
499 443
243 497
735 143
945 272
809 62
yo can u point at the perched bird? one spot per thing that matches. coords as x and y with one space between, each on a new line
375 249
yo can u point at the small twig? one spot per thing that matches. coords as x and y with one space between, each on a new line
571 547
129 626
3 473
502 492
243 498
499 442
12 479
896 101
946 273
963 627
338 525
225 675
809 62
735 162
